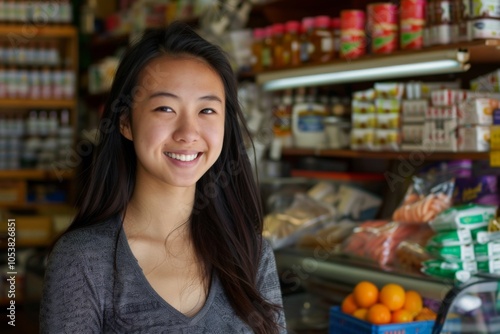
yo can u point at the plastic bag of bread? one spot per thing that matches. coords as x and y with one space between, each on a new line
328 238
377 240
424 200
305 215
410 256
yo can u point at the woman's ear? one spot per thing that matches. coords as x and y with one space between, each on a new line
125 128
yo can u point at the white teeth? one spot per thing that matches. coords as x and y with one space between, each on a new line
182 157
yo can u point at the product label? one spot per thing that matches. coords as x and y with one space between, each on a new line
310 122
266 57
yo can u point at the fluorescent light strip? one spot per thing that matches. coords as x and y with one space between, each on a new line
386 72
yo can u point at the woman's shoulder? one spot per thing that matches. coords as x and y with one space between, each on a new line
99 238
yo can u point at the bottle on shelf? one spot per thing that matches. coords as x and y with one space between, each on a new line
282 114
291 44
3 82
308 122
267 48
278 47
46 83
335 27
322 40
257 49
306 47
35 83
69 81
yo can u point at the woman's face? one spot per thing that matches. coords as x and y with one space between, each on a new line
177 120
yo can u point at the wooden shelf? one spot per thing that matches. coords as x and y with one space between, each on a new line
33 30
35 174
39 104
417 154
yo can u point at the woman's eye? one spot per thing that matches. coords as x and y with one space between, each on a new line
164 109
208 111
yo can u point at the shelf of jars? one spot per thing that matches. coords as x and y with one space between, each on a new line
464 54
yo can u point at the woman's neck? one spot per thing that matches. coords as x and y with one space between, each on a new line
158 210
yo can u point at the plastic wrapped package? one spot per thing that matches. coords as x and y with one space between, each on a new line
410 256
328 238
377 240
424 200
460 248
305 215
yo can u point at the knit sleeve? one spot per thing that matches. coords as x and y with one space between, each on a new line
268 282
70 300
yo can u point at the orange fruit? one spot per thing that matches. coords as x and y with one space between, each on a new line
360 313
348 304
393 296
413 302
401 315
365 294
379 314
426 314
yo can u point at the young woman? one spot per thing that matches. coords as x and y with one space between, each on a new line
167 238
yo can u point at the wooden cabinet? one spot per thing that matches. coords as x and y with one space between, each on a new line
38 114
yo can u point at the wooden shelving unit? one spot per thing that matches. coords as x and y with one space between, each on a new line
15 184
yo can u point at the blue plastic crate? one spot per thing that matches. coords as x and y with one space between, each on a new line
341 323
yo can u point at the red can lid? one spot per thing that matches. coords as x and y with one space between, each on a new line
268 31
259 33
292 26
307 23
322 21
278 28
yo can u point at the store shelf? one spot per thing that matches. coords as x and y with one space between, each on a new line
35 174
38 104
416 155
346 272
32 30
479 51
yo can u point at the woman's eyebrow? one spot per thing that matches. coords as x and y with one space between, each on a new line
165 94
210 97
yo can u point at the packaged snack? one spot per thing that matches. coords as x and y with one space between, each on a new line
459 270
457 237
480 190
304 215
362 107
410 255
377 240
389 90
420 204
469 252
364 95
327 238
468 216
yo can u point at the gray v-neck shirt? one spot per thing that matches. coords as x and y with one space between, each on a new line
85 293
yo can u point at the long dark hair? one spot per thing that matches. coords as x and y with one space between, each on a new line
226 221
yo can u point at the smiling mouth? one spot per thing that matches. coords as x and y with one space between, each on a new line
182 157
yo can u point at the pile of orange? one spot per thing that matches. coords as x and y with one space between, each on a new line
391 304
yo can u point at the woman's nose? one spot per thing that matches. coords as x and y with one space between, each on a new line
187 129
